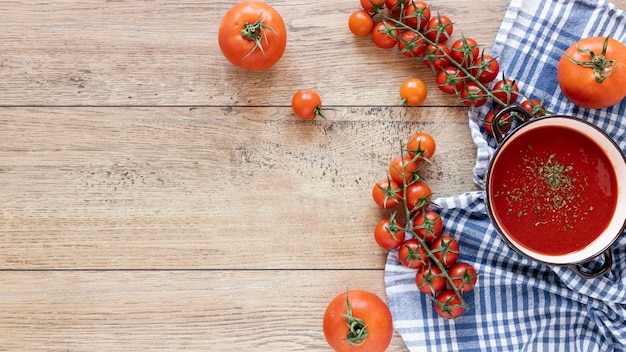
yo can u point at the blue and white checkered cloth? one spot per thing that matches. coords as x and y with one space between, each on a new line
523 305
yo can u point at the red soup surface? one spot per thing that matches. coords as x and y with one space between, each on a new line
553 190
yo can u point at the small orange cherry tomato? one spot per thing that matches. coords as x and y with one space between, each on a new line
413 92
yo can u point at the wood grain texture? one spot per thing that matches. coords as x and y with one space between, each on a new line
154 197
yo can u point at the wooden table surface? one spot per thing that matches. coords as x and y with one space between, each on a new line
155 197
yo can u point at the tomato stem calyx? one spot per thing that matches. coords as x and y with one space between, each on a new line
256 32
358 332
602 68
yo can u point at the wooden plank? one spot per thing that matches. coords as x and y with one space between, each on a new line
173 310
207 187
166 53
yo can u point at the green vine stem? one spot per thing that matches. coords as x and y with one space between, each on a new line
256 32
602 68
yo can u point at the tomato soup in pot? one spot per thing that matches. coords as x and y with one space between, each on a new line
556 190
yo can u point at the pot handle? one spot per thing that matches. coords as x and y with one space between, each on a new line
590 274
521 115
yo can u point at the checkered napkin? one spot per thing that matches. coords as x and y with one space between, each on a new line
523 305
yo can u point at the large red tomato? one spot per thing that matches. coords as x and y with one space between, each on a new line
592 72
252 35
358 321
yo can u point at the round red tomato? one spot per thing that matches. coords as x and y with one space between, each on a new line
427 224
464 51
252 35
418 195
356 321
505 90
446 249
416 14
450 80
307 104
504 124
485 68
421 145
534 107
412 255
384 35
463 276
472 95
596 81
439 29
397 173
410 44
435 56
360 23
387 193
372 5
413 92
448 305
430 280
389 234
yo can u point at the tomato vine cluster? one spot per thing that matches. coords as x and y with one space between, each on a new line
461 67
421 242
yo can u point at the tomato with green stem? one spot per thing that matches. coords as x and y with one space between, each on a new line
388 234
416 14
417 195
473 95
360 23
421 145
252 35
436 56
403 169
358 320
448 305
450 80
384 35
411 44
534 107
413 92
506 91
446 249
439 29
427 224
591 73
485 68
463 276
464 51
430 279
387 193
504 123
307 104
372 5
412 254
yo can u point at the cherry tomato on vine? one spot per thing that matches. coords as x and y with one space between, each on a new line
472 95
387 193
504 123
422 145
448 305
593 81
388 234
395 6
507 91
435 58
429 279
411 44
450 80
485 68
418 195
428 225
413 92
358 320
465 51
534 107
360 23
410 169
439 29
416 11
446 249
384 35
252 35
412 255
307 104
463 276
370 5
